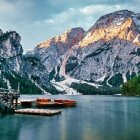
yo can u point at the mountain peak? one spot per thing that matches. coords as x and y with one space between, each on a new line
113 19
54 49
1 32
110 51
73 30
122 24
72 35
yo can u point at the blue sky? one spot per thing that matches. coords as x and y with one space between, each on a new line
38 20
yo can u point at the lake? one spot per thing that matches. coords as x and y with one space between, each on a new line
94 118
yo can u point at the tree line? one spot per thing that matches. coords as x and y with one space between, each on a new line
131 87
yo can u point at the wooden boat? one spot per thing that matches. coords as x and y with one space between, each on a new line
43 100
71 101
43 104
63 100
58 100
69 104
66 103
26 103
49 104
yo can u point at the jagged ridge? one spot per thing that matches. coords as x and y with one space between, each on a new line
109 53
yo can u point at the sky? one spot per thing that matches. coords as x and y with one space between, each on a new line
39 20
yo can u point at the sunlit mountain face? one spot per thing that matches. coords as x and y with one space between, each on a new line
109 52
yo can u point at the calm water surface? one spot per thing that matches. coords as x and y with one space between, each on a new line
94 118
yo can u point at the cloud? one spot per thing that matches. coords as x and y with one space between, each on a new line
92 9
49 21
38 20
84 16
7 11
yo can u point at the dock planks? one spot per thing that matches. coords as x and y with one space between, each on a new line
41 112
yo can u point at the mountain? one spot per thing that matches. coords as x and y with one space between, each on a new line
109 54
34 70
105 56
51 54
12 62
52 51
10 50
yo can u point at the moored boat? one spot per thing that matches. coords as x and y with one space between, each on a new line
66 103
49 104
72 101
43 100
69 104
58 100
26 103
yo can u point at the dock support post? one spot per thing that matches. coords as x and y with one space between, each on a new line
16 103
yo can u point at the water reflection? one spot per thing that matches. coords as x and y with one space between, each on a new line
95 118
9 127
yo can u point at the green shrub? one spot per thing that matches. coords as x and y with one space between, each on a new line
26 85
132 87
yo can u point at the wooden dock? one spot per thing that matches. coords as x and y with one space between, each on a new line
40 112
7 99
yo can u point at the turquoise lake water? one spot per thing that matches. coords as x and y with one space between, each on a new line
94 118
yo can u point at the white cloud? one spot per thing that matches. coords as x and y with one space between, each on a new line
23 17
7 11
94 9
84 17
4 6
49 21
81 17
14 12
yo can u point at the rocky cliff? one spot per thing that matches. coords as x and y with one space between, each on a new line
13 66
110 51
45 61
52 51
10 50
